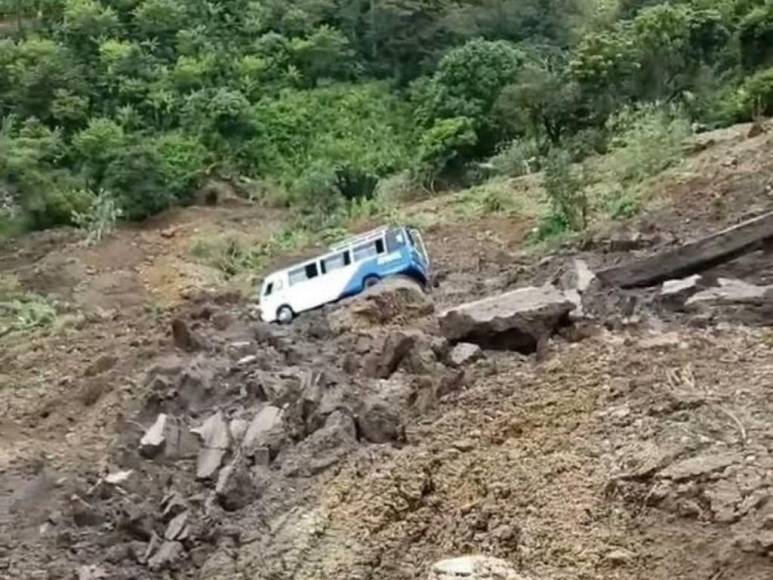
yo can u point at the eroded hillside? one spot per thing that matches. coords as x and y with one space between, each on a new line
630 442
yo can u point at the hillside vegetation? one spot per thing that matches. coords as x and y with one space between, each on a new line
116 109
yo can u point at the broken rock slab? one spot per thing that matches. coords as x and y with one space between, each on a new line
215 440
178 528
169 437
579 277
168 556
263 424
516 320
731 291
383 361
674 293
474 568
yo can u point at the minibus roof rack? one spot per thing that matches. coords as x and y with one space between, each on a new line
359 239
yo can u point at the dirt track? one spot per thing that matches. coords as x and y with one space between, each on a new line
639 452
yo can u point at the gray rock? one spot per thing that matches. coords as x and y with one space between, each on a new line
699 466
92 573
730 290
215 441
163 434
323 449
474 568
383 362
238 428
579 277
517 320
266 420
674 293
178 528
465 353
237 485
168 556
379 418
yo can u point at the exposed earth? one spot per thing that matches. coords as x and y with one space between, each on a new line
157 430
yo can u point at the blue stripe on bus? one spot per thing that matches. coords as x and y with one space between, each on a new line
406 264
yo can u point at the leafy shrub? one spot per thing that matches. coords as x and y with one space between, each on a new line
623 204
520 157
755 97
397 188
136 176
445 143
230 254
98 144
100 218
316 192
58 205
565 190
756 35
646 140
22 311
361 132
182 162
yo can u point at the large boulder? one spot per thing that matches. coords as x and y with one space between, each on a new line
516 320
395 300
473 568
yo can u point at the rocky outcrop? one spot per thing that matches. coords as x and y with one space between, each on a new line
516 320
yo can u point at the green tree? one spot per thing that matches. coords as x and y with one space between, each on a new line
467 84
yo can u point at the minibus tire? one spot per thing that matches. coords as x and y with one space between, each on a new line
370 281
284 314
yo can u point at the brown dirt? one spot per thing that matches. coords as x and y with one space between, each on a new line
565 466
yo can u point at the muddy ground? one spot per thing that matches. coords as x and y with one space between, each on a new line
635 445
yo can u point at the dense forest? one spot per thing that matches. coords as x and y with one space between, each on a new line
125 106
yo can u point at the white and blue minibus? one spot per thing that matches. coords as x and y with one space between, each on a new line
347 269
